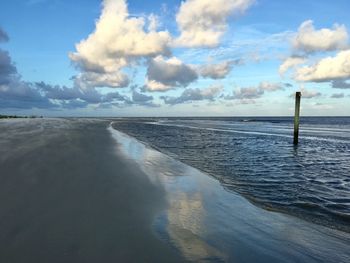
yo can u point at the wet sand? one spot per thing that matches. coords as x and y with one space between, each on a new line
79 191
65 196
206 222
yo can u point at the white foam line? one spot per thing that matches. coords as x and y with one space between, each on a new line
305 127
251 132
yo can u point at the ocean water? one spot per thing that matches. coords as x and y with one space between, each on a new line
256 158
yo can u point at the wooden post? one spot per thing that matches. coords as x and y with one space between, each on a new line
297 117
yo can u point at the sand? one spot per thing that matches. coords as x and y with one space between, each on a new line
65 196
205 221
75 190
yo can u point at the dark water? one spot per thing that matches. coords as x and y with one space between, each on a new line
256 157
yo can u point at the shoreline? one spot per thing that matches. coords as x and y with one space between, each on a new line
80 191
65 196
293 198
203 204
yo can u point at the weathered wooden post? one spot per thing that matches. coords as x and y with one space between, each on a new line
297 117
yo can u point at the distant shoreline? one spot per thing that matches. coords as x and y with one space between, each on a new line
162 117
19 117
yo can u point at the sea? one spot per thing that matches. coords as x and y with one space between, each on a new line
255 157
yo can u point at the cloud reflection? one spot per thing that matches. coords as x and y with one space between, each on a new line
182 222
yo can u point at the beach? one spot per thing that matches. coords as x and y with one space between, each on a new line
78 190
67 197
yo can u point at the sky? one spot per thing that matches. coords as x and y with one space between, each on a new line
174 58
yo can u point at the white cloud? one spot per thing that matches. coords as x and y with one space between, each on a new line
269 86
218 71
326 69
153 22
167 74
189 95
152 85
309 40
93 80
309 94
117 42
251 93
203 22
291 63
247 93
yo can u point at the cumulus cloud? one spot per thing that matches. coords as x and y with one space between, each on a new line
310 40
203 22
143 99
291 63
121 41
22 95
153 23
3 36
90 96
15 93
27 95
248 93
139 97
337 96
326 69
340 84
218 71
57 92
117 42
252 93
189 95
164 74
7 68
94 80
76 97
269 86
307 93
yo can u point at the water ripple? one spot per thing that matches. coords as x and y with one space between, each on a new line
258 160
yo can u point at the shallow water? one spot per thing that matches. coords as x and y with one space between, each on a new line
71 192
256 158
206 223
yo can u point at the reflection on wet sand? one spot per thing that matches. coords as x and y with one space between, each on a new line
65 196
205 222
186 229
185 213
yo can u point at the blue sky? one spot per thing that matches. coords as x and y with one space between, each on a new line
173 58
